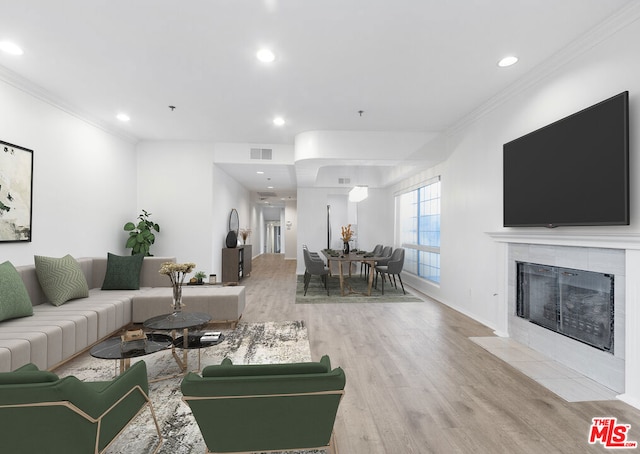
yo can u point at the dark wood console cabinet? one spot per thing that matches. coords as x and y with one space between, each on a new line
236 264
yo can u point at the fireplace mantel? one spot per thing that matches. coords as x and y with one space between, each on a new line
629 241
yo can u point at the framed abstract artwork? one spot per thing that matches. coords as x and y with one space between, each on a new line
16 192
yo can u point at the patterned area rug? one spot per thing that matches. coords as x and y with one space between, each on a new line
249 343
316 294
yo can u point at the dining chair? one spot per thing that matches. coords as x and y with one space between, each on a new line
377 250
385 255
314 267
392 268
313 254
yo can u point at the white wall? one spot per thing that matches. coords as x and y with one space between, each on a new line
228 194
256 237
84 180
191 199
376 219
290 230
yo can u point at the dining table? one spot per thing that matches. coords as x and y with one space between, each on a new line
341 258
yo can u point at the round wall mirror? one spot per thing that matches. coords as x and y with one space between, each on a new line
234 222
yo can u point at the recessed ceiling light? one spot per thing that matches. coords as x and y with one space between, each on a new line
260 172
269 187
10 48
278 121
508 61
265 56
123 117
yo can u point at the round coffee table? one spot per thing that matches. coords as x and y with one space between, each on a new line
178 321
112 349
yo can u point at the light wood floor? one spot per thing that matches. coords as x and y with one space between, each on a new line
417 384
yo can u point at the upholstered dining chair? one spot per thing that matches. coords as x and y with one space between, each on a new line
314 267
385 256
392 268
377 250
313 254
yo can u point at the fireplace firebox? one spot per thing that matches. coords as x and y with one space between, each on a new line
575 303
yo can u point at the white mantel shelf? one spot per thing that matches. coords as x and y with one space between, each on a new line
627 241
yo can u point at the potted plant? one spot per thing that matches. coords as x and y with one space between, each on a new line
141 235
200 275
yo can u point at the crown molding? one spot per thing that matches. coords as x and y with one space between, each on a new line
19 82
605 29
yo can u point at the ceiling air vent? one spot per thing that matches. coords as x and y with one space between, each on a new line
344 180
267 194
261 153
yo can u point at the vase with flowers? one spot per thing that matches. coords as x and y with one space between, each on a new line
347 233
177 272
244 234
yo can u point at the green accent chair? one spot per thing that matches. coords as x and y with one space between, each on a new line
267 407
41 412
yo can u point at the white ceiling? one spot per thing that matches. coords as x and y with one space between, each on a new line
410 65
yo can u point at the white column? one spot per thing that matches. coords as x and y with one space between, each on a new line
502 296
632 328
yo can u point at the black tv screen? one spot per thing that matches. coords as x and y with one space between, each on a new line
572 172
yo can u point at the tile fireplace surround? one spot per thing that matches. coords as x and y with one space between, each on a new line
617 254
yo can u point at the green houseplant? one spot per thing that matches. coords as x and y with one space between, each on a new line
141 235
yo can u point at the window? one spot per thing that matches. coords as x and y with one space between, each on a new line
419 220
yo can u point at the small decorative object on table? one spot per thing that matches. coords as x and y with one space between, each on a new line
177 272
210 336
347 233
135 340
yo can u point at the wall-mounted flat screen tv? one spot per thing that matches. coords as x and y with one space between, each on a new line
572 172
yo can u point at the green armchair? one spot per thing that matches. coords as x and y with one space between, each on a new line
41 412
268 407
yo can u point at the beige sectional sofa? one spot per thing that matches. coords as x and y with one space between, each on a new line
54 334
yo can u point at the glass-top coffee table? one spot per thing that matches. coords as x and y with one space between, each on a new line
112 349
175 322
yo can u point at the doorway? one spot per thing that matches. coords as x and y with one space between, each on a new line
273 237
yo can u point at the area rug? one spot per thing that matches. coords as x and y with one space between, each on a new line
249 343
317 294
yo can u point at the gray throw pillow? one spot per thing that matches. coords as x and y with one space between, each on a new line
123 272
61 279
14 299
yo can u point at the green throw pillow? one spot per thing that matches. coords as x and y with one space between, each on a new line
123 272
61 279
14 299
